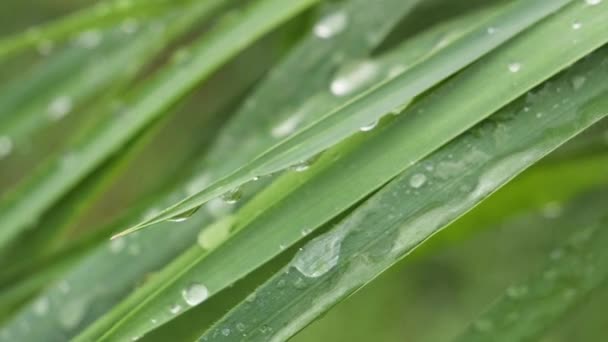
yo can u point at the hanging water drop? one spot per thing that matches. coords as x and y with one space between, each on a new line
353 77
302 166
417 180
184 216
514 67
331 25
369 126
60 107
195 294
232 196
6 146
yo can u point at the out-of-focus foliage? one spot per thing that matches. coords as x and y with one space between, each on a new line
344 170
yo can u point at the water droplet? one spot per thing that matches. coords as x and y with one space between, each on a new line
302 166
41 306
232 196
491 30
577 25
89 39
184 216
286 127
71 313
6 146
175 309
195 294
331 25
353 77
578 82
60 107
240 326
514 67
417 180
320 255
369 126
593 2
225 331
215 234
117 245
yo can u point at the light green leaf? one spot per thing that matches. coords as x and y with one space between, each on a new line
368 108
418 203
529 308
29 201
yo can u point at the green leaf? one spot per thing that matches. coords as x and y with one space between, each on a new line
422 200
370 107
30 200
256 116
103 13
528 309
375 158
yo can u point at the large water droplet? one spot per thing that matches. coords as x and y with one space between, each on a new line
331 25
514 67
353 77
184 216
6 146
60 107
320 255
195 294
417 180
232 196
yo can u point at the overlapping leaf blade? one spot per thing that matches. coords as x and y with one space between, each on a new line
418 203
208 54
375 104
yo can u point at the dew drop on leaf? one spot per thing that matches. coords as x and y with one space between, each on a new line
195 294
60 107
593 2
417 180
331 25
368 127
184 216
175 309
514 67
232 196
353 77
